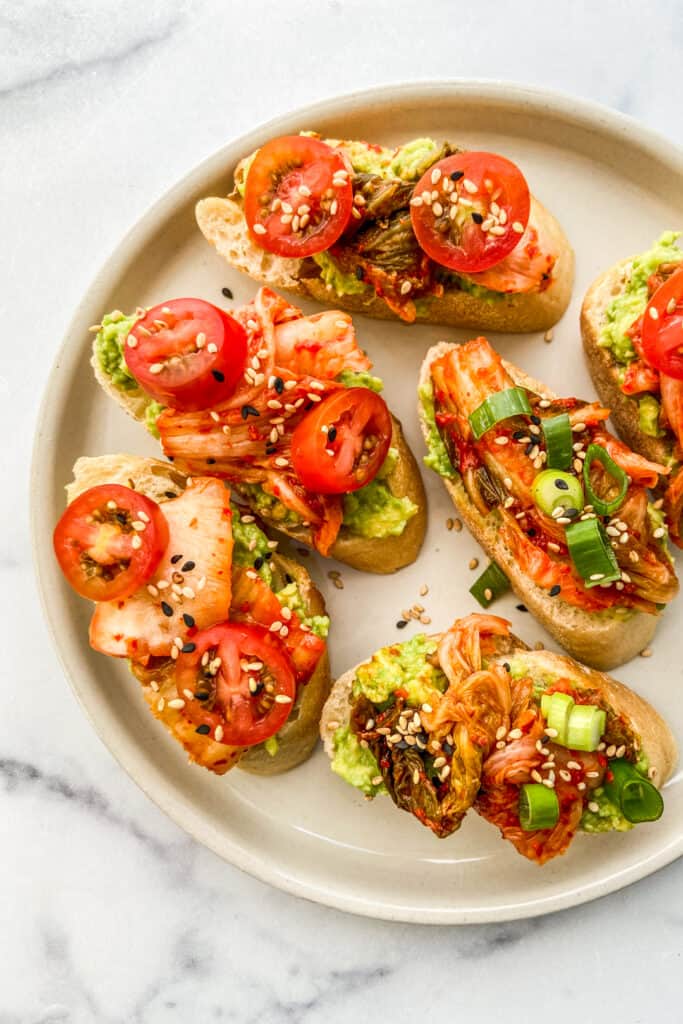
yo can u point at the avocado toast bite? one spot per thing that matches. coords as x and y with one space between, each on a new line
281 405
422 232
537 744
225 634
558 504
631 322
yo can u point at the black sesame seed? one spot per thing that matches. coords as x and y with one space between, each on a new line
227 292
561 485
258 562
536 420
270 449
477 218
529 448
188 648
170 494
188 567
571 513
457 175
518 435
202 695
331 434
268 555
220 377
360 273
248 410
166 609
447 748
171 458
401 624
279 385
188 620
506 666
554 591
175 559
531 532
203 730
521 608
211 462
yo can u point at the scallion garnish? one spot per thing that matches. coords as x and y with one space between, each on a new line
596 453
553 489
585 727
591 553
637 798
501 405
538 807
557 708
558 441
491 585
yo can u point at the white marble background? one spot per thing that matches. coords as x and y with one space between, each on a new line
110 914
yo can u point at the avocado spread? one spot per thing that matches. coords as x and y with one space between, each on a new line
648 416
373 511
437 456
355 764
401 666
335 278
109 343
360 379
631 301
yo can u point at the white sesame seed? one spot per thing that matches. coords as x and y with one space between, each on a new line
416 201
592 806
259 229
437 209
469 186
176 704
282 698
594 576
519 228
653 313
659 532
405 287
156 368
132 341
136 541
281 462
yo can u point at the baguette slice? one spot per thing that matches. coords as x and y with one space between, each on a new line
600 639
222 223
655 736
296 740
378 555
604 369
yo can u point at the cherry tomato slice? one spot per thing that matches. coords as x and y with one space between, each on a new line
663 327
109 542
479 214
298 197
187 354
342 442
245 689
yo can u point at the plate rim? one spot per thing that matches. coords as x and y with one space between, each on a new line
517 96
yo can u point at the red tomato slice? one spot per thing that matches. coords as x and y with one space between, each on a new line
342 442
470 210
242 680
298 197
187 354
109 542
663 327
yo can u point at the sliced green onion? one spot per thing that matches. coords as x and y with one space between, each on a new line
491 585
586 727
638 799
553 489
596 453
591 553
558 441
499 406
538 807
557 708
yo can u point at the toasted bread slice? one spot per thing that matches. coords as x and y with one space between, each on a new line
656 739
601 639
222 223
378 555
604 369
161 482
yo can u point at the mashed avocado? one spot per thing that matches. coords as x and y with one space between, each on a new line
335 278
401 666
608 817
629 304
648 416
250 546
290 597
271 746
373 511
437 457
152 413
267 505
360 379
109 343
355 764
477 290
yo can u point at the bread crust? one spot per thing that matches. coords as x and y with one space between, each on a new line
604 370
655 736
299 735
379 555
222 223
599 639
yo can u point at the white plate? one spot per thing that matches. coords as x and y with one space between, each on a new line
614 186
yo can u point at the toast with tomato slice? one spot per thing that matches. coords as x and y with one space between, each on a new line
370 515
211 582
646 403
508 268
601 617
473 725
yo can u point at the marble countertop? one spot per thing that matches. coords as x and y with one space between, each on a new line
112 915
